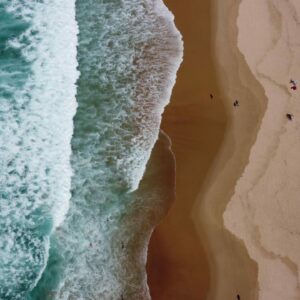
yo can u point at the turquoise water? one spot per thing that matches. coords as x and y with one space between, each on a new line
74 213
37 104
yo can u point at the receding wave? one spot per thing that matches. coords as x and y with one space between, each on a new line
92 247
128 54
37 104
128 57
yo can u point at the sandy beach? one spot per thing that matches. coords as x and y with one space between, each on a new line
177 262
264 210
234 227
211 142
227 255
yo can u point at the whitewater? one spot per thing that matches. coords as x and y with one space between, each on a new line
37 104
83 85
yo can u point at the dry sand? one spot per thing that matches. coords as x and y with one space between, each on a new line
264 211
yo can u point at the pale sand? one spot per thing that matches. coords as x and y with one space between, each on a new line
264 211
232 271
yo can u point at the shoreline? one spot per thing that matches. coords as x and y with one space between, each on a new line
237 82
264 210
209 160
177 264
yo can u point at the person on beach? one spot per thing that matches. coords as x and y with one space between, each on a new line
236 103
238 297
290 116
294 85
211 96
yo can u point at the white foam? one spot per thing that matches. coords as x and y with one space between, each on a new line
162 10
122 129
143 145
55 70
35 134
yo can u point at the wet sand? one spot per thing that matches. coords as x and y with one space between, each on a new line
232 270
244 179
191 254
178 266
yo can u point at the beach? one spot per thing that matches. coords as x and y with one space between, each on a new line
126 177
264 210
211 141
234 227
228 256
178 265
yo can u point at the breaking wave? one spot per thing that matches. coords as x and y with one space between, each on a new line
37 103
128 53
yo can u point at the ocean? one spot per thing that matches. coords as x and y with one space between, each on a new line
83 85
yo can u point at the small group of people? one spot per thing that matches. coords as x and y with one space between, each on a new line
293 85
236 103
290 117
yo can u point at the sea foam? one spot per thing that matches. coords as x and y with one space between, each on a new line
37 104
128 53
156 67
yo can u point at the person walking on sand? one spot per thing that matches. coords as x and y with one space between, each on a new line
238 297
211 96
290 117
236 103
294 85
